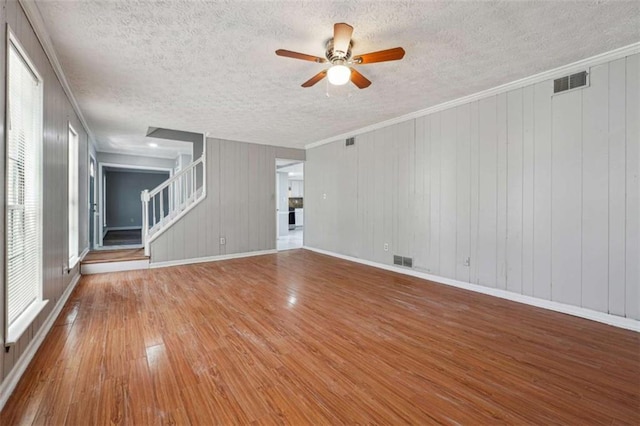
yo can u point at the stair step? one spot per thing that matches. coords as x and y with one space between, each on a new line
103 261
102 256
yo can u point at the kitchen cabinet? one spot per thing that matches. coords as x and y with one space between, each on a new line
297 189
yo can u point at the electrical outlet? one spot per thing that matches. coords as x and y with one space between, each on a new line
467 261
324 196
223 241
386 246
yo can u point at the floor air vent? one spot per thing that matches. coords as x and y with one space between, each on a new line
569 82
350 141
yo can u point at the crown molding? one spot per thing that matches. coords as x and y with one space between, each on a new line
517 84
37 23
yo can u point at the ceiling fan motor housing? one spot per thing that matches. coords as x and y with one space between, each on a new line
337 55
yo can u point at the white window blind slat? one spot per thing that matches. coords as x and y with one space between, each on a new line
23 187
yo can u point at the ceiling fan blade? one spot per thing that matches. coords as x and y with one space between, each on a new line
296 55
316 78
359 80
381 56
342 37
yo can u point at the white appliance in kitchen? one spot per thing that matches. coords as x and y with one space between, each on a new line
299 217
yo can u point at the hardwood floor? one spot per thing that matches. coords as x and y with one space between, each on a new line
303 338
101 256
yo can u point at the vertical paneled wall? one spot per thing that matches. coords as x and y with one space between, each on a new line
526 191
240 205
58 113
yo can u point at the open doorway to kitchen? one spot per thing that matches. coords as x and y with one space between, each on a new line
290 204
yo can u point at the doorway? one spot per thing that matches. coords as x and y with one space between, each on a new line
290 204
92 202
120 217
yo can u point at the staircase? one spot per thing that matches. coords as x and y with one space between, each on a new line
161 208
172 199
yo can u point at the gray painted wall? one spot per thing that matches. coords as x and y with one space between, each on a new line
290 153
123 206
240 205
135 160
180 135
58 112
540 192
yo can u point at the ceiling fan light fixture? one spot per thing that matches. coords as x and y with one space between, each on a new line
339 75
338 55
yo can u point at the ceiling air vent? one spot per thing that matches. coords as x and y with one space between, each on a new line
570 82
350 141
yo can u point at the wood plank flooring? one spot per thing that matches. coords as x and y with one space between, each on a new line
102 256
302 338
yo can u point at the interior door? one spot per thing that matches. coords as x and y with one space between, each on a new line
92 202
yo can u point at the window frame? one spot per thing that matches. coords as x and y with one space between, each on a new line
15 330
73 194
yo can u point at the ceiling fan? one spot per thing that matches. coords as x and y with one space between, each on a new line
338 54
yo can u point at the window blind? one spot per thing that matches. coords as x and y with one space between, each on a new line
23 186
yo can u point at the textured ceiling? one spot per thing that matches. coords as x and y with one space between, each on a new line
210 66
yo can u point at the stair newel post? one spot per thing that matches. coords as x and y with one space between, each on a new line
144 197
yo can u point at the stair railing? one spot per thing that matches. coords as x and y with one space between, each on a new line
172 199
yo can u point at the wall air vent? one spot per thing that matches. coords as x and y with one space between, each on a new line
350 141
402 261
570 82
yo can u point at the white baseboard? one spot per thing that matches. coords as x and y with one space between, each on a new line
106 267
83 254
123 228
11 380
614 320
210 258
